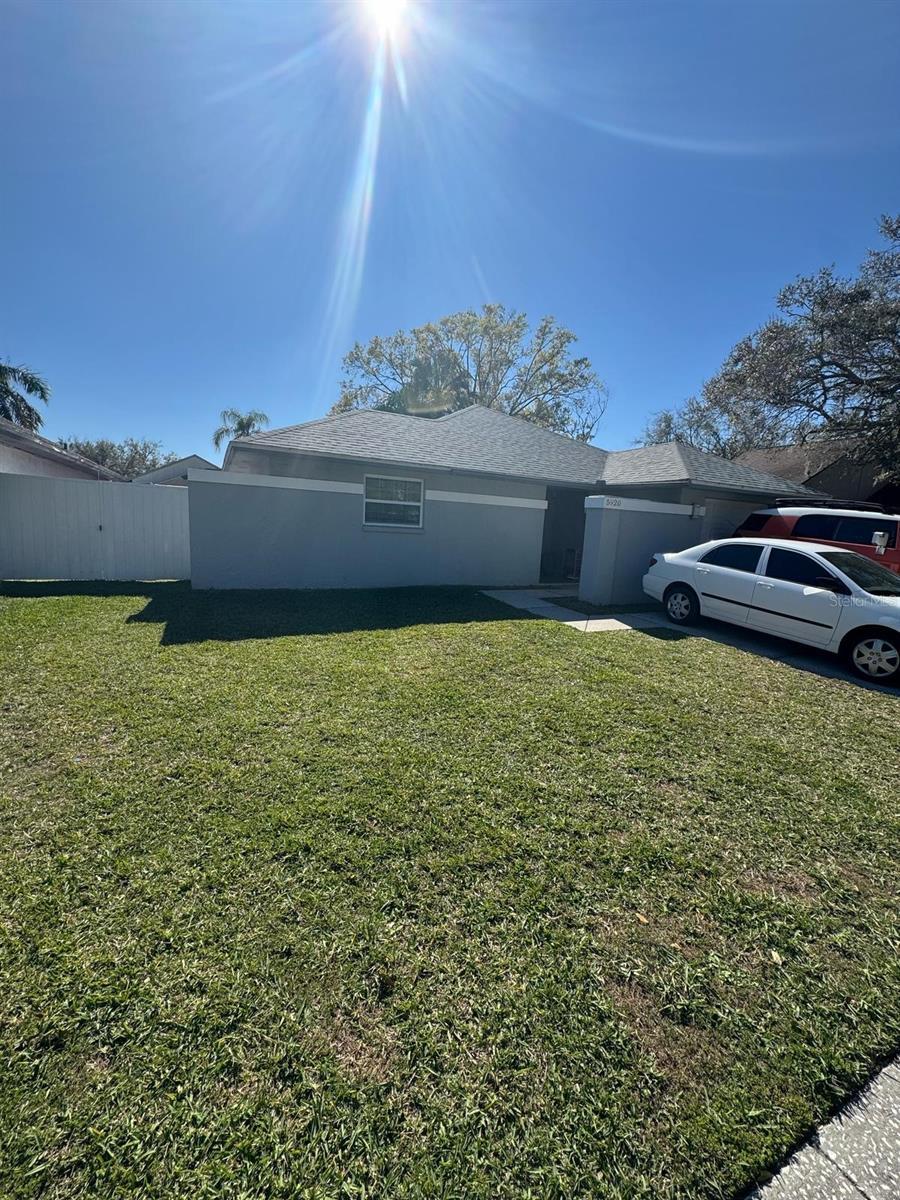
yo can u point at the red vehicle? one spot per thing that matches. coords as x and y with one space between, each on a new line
865 528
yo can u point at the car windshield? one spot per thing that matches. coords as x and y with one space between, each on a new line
870 576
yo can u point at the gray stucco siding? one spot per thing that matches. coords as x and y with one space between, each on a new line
247 535
618 543
14 461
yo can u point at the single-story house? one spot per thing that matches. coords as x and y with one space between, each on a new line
175 474
380 499
25 453
828 467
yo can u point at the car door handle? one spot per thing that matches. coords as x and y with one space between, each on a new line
703 570
767 586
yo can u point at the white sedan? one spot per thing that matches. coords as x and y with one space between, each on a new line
817 595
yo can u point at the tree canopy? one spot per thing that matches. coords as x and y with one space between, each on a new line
491 357
826 367
130 457
236 424
16 385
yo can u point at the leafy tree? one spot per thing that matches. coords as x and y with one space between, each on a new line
131 457
15 384
827 367
490 357
236 424
700 423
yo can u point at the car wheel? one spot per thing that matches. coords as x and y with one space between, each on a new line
874 654
682 607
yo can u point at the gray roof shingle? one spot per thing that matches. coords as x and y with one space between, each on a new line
484 441
475 439
798 462
670 461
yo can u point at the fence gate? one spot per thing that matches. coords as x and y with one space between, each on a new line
81 529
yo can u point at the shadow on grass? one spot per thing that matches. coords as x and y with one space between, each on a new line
795 655
199 616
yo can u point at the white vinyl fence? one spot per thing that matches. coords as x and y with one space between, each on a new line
85 529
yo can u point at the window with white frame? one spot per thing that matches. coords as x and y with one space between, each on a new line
392 501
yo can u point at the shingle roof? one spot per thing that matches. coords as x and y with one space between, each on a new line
476 439
177 469
484 441
670 461
799 462
33 443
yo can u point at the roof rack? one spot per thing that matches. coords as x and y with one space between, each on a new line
860 505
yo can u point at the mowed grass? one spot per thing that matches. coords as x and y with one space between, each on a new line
406 895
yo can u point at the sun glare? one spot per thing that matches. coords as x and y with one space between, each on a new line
386 17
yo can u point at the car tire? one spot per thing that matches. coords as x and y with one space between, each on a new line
681 604
874 655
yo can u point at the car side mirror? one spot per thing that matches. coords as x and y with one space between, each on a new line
880 541
828 583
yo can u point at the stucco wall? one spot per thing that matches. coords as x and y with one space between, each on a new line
724 516
618 543
19 462
256 535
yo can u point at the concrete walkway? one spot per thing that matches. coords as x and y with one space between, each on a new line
854 1157
539 602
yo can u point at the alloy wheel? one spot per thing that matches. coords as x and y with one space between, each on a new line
679 606
876 657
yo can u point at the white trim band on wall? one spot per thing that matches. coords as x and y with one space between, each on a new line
353 489
274 481
479 498
624 504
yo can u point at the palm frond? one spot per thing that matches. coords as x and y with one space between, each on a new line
236 424
14 381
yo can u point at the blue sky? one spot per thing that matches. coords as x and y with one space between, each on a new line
184 223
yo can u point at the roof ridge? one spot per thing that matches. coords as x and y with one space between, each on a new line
694 451
640 449
497 412
353 412
455 412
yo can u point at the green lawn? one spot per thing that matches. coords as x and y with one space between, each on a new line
406 895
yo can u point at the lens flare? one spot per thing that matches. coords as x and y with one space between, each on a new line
386 17
354 225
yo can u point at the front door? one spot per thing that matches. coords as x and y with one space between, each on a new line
563 535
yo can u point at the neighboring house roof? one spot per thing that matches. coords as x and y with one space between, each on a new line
483 441
798 463
41 447
177 469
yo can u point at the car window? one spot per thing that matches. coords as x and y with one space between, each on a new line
870 576
816 525
735 556
754 523
858 530
795 568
